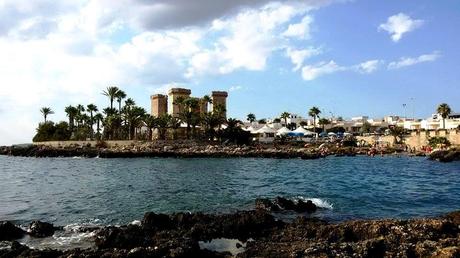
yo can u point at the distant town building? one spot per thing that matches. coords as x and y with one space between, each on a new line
162 104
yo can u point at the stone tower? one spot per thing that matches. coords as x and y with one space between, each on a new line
219 98
173 95
159 104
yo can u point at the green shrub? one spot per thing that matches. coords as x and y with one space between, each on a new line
438 140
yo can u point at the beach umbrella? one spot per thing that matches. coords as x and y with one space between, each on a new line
266 129
331 134
283 131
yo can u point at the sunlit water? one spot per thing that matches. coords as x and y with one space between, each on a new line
117 191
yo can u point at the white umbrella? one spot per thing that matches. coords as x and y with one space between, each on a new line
331 134
266 129
283 131
303 130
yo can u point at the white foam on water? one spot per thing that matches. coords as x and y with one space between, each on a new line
72 236
321 203
136 223
224 245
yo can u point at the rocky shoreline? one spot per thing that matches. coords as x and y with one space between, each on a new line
188 150
262 235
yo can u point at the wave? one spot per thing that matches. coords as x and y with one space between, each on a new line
321 203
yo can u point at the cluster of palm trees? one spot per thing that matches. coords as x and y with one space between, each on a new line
124 122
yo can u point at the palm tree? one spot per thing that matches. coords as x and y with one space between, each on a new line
444 110
251 118
151 122
314 112
206 100
163 123
99 118
323 122
71 112
111 93
120 95
188 113
91 108
285 116
174 123
46 111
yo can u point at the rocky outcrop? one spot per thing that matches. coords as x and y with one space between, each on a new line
41 229
177 235
8 231
154 150
280 203
445 155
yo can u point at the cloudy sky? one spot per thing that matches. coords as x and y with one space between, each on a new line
347 57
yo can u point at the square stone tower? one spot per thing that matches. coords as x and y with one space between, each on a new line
219 98
159 104
173 95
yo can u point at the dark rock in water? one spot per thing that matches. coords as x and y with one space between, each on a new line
41 229
8 231
121 237
308 206
153 221
284 204
445 155
281 203
266 204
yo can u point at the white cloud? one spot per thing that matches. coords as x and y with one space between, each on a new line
369 66
56 53
312 72
409 61
399 24
299 30
248 41
235 88
298 56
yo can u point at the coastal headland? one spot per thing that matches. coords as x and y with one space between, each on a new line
184 149
197 149
257 233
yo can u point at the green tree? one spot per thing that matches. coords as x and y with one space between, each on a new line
188 113
366 128
71 112
323 122
111 93
46 111
151 122
444 110
251 118
285 116
174 124
163 123
120 95
398 134
91 108
314 112
98 118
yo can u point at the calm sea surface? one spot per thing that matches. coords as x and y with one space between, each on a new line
115 191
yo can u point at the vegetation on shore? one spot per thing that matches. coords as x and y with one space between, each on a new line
124 122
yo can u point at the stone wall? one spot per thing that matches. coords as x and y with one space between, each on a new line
416 139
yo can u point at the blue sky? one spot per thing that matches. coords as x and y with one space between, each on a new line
349 58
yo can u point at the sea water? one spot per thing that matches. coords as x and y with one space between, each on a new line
67 191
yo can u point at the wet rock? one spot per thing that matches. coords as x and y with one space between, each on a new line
8 231
266 204
41 229
307 206
130 236
281 203
445 155
153 221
